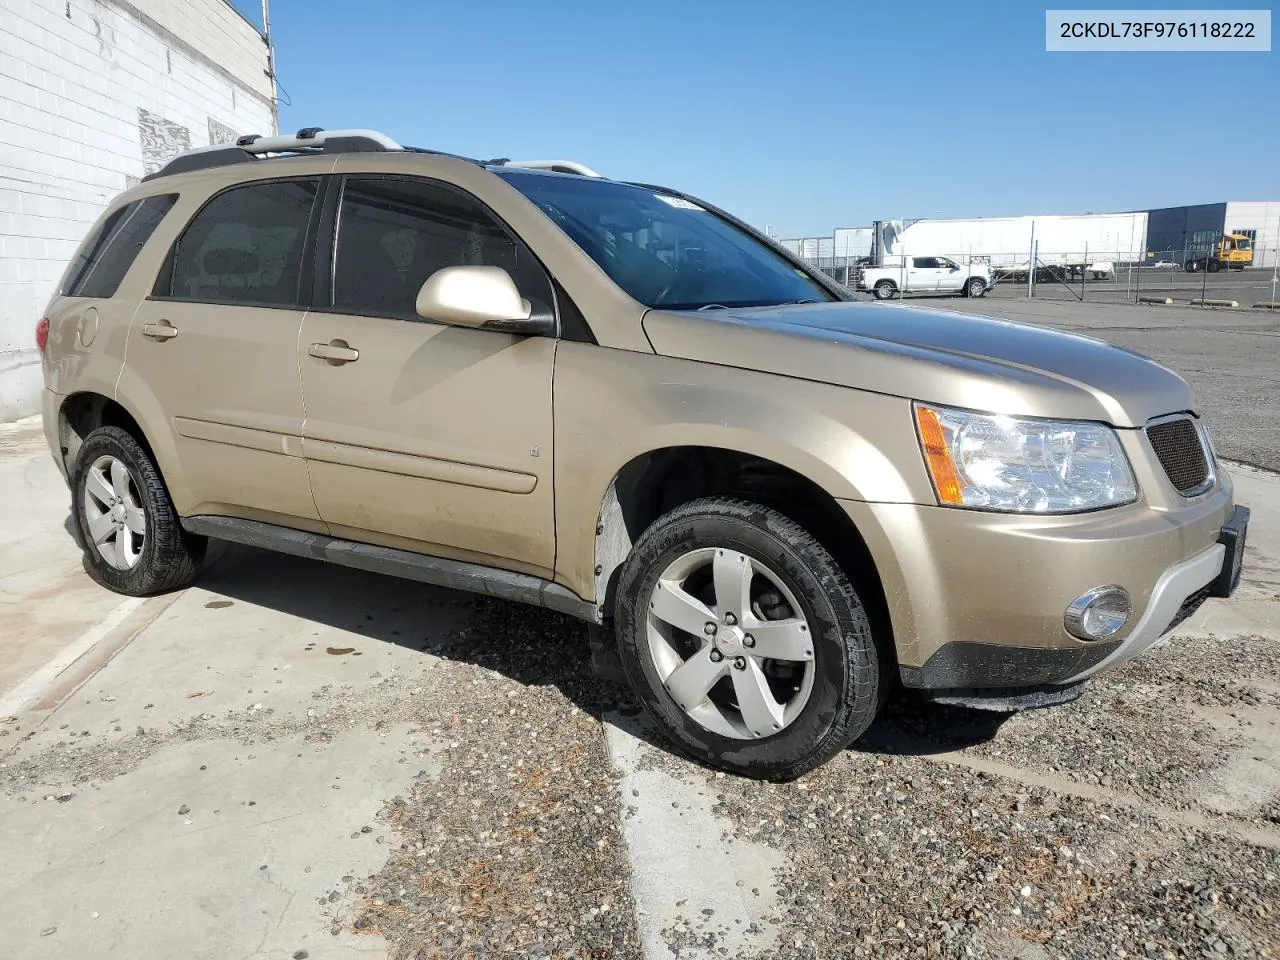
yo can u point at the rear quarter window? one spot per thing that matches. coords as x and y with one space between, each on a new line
107 254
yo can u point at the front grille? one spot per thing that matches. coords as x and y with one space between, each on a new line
1177 445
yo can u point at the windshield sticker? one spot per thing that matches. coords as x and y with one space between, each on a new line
680 203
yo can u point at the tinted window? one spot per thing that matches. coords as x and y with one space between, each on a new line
665 251
394 234
106 256
926 263
245 246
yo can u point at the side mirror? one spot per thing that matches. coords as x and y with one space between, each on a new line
480 298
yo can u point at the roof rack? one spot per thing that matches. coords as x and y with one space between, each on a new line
255 147
311 140
559 166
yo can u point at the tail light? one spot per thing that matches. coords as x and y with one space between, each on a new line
42 333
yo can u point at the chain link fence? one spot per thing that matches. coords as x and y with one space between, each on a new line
1184 275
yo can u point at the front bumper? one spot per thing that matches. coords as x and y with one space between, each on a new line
976 600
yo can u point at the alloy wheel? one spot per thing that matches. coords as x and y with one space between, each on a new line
114 519
730 643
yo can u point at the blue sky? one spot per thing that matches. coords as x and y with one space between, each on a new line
802 115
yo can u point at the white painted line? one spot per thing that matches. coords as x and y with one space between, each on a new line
36 684
682 863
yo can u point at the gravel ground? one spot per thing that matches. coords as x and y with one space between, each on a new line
904 857
900 848
1156 728
513 848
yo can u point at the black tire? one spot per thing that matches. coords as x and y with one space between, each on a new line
1191 266
848 670
975 287
1214 266
886 290
170 557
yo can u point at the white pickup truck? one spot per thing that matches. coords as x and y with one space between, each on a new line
931 275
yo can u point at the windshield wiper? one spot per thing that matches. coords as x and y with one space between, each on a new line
713 306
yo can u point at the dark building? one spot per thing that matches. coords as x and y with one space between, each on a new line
1177 233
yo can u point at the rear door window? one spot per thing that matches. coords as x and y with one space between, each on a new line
106 256
394 233
245 246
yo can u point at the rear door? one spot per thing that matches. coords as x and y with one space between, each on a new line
422 436
922 275
212 354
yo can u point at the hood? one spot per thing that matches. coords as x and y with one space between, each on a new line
980 363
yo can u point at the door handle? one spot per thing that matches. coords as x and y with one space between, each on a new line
162 331
335 352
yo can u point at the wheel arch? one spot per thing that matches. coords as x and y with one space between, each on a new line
659 480
85 411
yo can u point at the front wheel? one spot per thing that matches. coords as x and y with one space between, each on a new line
975 288
125 522
885 290
745 641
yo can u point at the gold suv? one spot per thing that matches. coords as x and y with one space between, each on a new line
620 402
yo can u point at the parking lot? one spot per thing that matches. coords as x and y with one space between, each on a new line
296 760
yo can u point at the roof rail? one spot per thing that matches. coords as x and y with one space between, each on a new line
559 166
254 147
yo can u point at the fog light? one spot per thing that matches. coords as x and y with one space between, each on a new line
1099 613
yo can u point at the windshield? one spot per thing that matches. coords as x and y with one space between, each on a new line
666 251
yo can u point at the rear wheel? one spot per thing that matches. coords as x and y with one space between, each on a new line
1191 266
885 290
745 641
1214 266
125 522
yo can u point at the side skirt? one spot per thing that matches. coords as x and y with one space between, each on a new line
454 574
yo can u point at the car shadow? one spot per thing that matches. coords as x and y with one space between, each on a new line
912 725
529 645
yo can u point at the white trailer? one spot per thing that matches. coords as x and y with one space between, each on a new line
1090 243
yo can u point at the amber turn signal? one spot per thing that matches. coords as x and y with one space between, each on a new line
937 455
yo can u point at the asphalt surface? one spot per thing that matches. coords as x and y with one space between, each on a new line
1231 358
294 760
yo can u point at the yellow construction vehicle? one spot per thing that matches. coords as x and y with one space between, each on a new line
1234 251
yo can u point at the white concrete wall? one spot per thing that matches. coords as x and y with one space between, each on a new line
1262 216
94 94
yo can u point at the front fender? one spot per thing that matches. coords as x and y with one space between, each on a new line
613 406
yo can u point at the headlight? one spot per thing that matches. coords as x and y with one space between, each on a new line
989 461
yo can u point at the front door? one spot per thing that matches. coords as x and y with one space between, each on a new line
950 277
213 355
419 435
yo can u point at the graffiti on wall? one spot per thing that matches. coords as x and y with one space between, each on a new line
161 139
220 133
